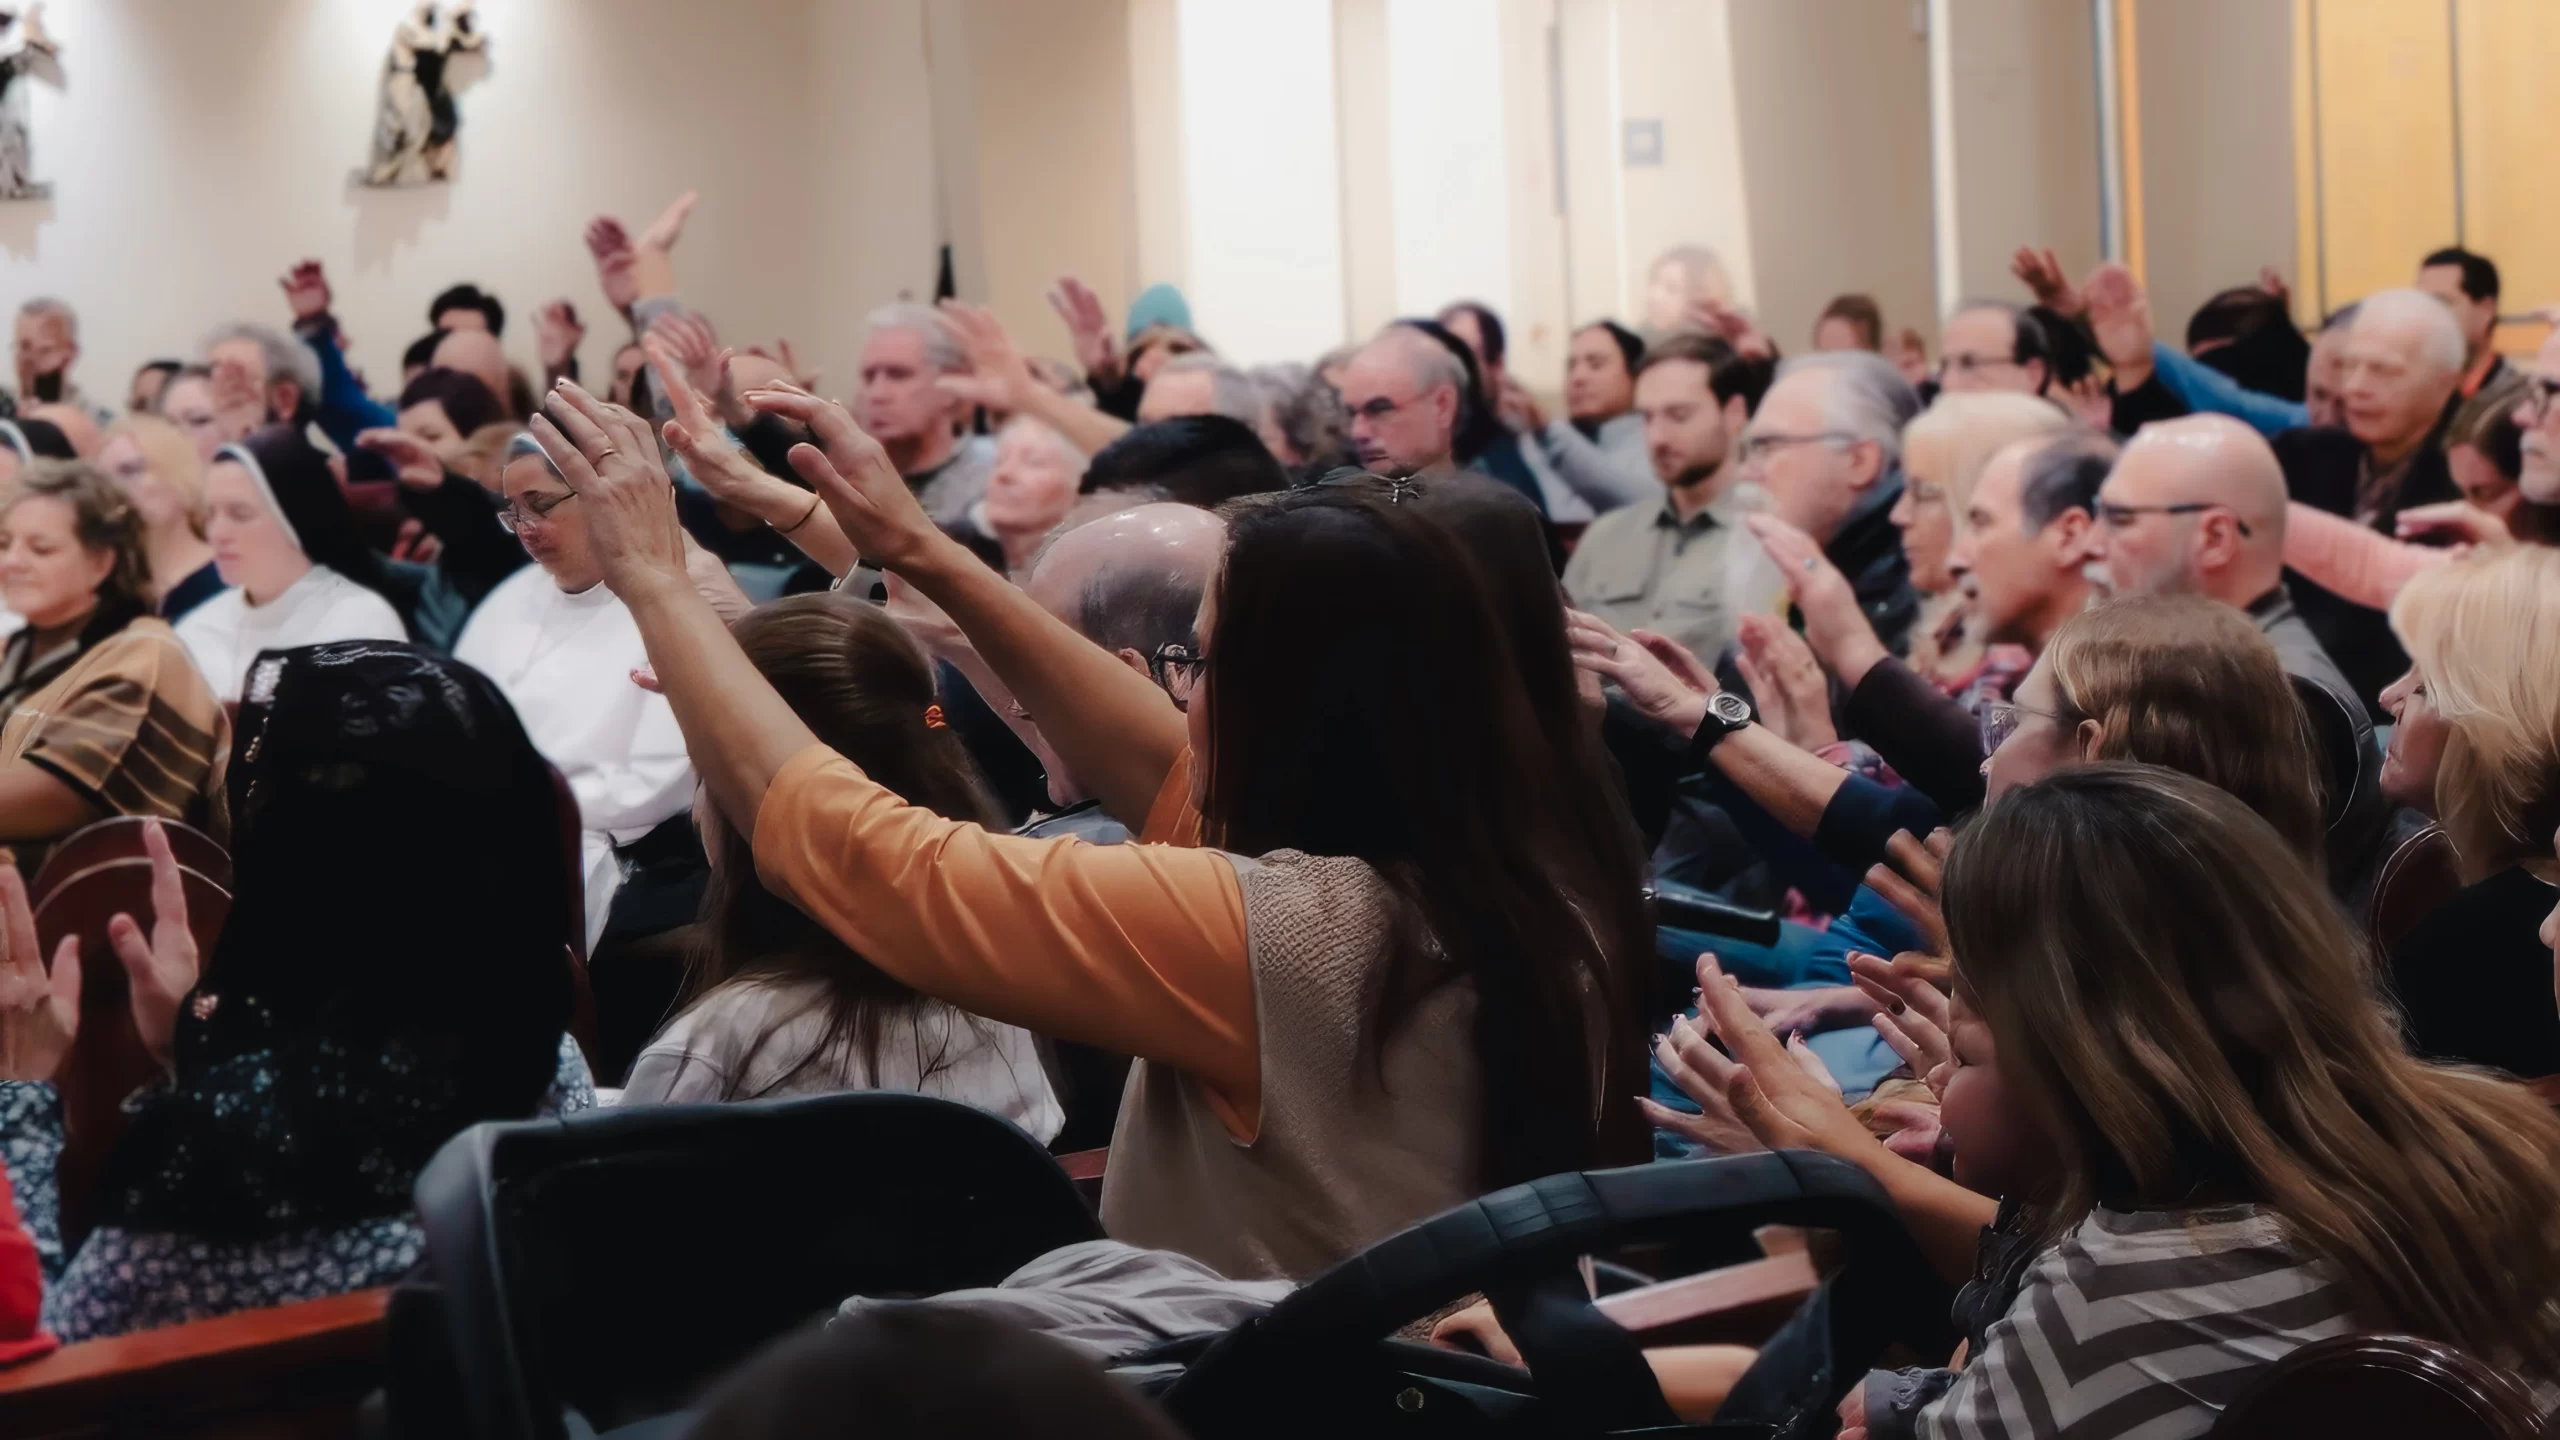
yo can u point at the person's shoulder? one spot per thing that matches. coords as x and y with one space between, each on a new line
1618 523
219 613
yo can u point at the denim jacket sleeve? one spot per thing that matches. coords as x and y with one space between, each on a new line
2207 389
345 410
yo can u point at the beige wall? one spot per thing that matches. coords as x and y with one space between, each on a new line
1833 97
1043 169
2024 87
2217 148
1675 63
198 150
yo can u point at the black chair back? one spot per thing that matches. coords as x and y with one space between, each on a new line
615 1262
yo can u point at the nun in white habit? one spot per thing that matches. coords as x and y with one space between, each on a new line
285 543
562 649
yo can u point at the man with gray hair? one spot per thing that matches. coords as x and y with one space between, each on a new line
1826 446
261 376
48 345
2401 366
905 350
1406 394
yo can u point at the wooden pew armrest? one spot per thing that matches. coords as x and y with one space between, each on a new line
278 1358
1739 1304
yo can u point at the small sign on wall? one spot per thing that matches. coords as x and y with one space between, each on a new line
1644 143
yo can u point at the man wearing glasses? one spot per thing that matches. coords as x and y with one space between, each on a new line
1826 444
2539 418
2196 506
1993 345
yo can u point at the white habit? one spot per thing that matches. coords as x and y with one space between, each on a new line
565 662
226 632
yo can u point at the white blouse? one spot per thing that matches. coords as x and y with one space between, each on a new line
714 1047
565 661
225 633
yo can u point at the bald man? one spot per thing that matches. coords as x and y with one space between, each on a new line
1405 391
1130 582
2400 373
2196 506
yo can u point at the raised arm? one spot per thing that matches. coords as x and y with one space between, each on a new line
1119 732
721 467
998 379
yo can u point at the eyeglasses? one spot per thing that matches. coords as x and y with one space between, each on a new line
1924 493
2536 401
2117 517
1398 487
516 514
1760 447
2000 719
1177 669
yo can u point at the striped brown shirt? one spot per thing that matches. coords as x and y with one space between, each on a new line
131 725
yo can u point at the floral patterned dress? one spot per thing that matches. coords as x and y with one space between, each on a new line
138 1279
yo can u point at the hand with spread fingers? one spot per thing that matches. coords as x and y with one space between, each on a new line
854 478
1834 623
160 968
1704 1075
997 377
1088 327
2120 319
1793 693
1911 1013
1908 880
609 460
1768 1087
39 1011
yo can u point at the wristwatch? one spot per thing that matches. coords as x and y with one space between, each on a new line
1726 713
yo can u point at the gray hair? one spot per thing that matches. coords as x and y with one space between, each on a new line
1232 393
57 311
2063 474
1867 399
1308 412
287 358
941 347
2440 344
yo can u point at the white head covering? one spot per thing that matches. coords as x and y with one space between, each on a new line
239 455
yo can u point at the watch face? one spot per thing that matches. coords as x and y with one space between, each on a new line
1730 708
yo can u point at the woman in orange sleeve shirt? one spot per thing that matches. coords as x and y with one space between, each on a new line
1405 973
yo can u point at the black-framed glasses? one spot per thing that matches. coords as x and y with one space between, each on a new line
1176 669
516 514
2536 402
2117 517
2000 719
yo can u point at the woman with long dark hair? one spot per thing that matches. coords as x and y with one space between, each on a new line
1400 981
774 1004
341 1031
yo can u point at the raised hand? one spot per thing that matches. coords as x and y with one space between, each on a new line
2043 276
557 333
1794 694
2457 520
160 969
412 462
1809 1011
39 1011
853 477
2271 280
1704 1076
609 460
695 433
610 244
1657 692
1088 327
1908 880
668 228
306 289
997 377
688 341
1834 624
2120 318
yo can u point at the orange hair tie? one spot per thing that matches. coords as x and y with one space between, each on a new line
933 717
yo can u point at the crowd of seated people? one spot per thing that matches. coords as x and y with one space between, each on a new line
1264 772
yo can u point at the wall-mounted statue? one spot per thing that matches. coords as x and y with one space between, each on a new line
413 132
35 55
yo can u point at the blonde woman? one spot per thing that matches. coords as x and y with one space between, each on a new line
157 467
1943 450
2476 746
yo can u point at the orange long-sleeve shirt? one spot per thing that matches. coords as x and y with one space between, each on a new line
1138 948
